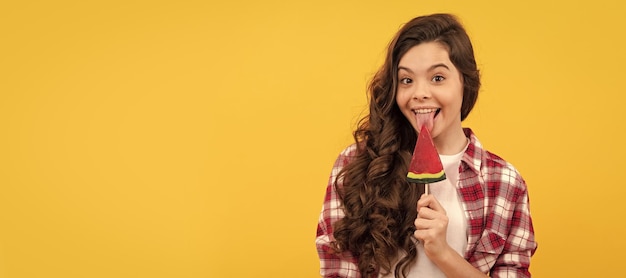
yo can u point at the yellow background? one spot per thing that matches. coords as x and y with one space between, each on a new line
195 138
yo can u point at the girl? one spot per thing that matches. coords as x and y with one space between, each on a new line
374 223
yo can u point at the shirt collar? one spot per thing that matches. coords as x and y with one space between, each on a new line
472 158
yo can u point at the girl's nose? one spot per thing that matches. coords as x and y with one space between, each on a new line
421 92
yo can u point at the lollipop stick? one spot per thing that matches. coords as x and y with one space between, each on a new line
426 189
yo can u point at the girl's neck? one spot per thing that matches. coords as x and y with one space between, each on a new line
452 143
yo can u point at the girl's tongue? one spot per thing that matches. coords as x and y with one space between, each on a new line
425 119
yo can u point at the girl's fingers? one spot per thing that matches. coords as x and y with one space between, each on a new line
427 213
429 201
421 223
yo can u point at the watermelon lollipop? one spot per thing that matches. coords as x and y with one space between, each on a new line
425 164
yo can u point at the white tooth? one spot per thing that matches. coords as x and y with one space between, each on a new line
424 111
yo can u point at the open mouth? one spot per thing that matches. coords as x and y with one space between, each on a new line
425 117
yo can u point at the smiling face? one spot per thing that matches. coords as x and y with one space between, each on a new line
430 90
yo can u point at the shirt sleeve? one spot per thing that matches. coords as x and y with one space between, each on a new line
519 245
333 264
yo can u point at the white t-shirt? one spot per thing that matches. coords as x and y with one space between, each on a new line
446 193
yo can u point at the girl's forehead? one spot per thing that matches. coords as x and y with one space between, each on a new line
425 56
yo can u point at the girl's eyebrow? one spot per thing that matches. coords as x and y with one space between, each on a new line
404 68
429 69
437 66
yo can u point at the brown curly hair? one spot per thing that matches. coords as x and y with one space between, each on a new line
379 204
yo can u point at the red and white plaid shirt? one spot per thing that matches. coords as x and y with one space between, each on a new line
501 238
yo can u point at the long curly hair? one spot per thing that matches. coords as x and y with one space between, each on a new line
379 204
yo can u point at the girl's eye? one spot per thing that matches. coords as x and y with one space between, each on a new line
406 81
438 78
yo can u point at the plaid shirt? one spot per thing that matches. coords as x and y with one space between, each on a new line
500 232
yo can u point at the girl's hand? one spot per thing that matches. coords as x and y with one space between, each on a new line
431 226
